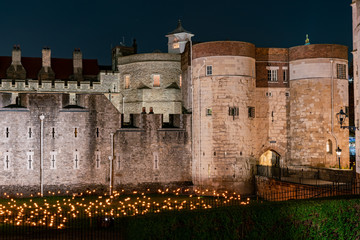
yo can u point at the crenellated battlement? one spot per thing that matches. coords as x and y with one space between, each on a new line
105 84
148 122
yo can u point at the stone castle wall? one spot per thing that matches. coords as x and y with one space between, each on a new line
78 139
150 155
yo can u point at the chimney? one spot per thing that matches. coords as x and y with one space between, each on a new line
46 72
16 70
77 60
16 55
46 58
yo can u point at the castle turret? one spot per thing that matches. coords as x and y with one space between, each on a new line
16 70
223 78
178 39
318 91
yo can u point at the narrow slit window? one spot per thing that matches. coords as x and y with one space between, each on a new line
7 133
97 132
118 162
76 160
97 160
6 161
156 161
30 160
30 133
53 160
53 133
76 132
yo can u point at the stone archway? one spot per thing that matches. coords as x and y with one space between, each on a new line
270 158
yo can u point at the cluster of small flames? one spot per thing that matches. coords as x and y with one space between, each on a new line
46 212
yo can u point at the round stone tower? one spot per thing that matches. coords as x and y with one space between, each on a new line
318 90
223 76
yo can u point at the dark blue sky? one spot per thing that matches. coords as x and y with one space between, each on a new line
95 26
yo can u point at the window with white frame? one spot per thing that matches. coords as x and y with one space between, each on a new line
30 160
97 159
53 160
209 70
76 159
156 80
127 81
272 73
341 71
7 161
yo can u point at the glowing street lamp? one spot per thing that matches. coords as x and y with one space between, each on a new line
338 153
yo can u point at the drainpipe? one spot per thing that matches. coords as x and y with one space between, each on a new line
123 104
111 157
332 103
42 117
199 102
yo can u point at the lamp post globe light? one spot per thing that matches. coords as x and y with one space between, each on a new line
338 153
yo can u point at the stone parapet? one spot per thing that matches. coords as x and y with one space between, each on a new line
318 51
223 48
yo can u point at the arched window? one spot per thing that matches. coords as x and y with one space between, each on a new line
329 146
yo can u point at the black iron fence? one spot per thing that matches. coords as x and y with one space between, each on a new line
306 175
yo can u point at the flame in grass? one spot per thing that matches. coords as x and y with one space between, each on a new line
56 211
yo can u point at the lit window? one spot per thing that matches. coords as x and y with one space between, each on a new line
156 80
180 81
127 81
176 45
329 146
273 75
341 71
208 70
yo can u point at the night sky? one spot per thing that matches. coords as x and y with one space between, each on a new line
95 26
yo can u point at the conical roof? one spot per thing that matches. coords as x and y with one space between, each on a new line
179 29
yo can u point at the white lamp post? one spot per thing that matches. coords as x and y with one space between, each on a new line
338 153
42 117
